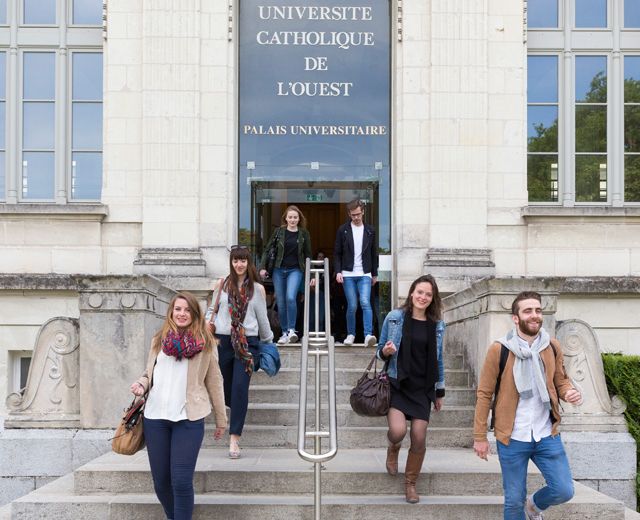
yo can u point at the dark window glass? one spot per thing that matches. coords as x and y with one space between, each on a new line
591 79
542 128
591 128
591 13
591 178
631 14
86 180
542 178
87 76
38 172
87 12
39 12
632 79
39 76
542 79
632 178
25 363
542 14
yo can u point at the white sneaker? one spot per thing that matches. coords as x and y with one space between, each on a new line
293 337
370 341
349 340
532 514
284 339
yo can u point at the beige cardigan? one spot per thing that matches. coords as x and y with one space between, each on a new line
204 384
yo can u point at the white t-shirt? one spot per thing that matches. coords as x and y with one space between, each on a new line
358 237
168 395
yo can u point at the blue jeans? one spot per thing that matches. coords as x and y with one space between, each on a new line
549 455
286 282
235 380
358 288
173 448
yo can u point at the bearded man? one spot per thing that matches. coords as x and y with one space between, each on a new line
525 372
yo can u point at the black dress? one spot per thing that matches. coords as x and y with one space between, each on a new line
411 392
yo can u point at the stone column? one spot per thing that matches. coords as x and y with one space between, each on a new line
118 318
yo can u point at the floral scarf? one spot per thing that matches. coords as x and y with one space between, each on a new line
238 310
181 344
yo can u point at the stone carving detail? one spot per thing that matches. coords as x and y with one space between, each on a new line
51 397
583 364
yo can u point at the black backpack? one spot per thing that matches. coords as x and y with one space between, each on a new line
504 354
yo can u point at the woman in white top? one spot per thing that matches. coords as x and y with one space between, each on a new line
240 323
183 380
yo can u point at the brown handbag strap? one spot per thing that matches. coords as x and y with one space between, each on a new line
217 302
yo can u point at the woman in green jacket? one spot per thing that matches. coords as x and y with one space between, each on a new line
293 246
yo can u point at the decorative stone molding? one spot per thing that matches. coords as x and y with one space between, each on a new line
51 397
170 262
456 269
76 212
583 364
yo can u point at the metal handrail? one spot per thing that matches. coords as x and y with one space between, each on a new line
323 345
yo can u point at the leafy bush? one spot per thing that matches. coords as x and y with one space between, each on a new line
623 379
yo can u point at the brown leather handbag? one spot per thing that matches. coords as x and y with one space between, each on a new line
129 436
371 395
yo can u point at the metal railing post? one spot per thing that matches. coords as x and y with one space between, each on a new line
323 346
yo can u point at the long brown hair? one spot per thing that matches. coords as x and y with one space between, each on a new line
197 328
303 219
434 311
231 282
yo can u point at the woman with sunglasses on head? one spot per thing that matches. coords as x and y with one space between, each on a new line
241 322
411 340
293 247
183 380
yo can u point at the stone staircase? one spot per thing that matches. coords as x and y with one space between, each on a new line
270 481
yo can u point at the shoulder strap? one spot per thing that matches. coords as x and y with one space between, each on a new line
504 355
217 302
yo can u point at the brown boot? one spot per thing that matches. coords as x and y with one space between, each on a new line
392 458
411 473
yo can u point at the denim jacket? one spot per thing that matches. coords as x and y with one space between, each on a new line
392 330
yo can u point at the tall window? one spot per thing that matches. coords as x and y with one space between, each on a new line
583 55
51 101
86 146
38 125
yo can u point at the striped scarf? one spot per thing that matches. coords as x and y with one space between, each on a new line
238 303
181 345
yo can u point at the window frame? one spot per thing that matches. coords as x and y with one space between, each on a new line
568 42
43 38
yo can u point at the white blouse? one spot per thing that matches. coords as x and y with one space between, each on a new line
168 396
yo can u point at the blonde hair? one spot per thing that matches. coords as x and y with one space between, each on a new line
197 328
303 220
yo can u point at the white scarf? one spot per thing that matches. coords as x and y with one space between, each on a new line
528 362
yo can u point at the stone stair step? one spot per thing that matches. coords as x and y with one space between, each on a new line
276 393
56 500
278 471
354 357
286 414
344 376
262 436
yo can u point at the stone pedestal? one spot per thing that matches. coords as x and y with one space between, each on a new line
118 318
456 269
175 262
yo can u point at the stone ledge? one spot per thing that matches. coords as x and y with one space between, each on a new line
576 213
91 212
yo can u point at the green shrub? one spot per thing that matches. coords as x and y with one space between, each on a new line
623 379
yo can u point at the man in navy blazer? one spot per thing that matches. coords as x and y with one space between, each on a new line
355 258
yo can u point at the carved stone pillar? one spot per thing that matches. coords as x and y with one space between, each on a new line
118 318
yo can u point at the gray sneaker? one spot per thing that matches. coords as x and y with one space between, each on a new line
529 508
293 337
349 340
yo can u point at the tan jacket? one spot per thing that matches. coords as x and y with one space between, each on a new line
557 384
204 383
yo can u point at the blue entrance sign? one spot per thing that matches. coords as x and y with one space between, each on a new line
314 88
